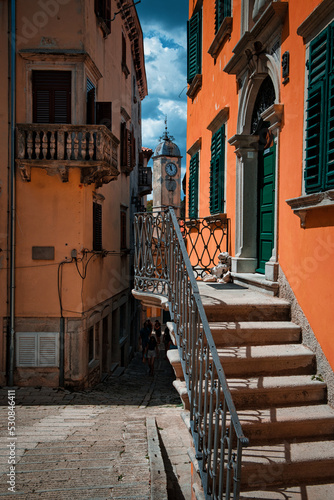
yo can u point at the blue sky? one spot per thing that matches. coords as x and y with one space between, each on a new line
164 26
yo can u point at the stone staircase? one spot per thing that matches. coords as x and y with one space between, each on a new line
281 402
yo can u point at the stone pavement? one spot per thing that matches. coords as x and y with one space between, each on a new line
97 444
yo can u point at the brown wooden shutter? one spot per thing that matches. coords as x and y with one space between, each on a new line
51 96
97 227
108 13
124 144
104 114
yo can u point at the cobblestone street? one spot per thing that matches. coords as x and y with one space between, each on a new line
94 444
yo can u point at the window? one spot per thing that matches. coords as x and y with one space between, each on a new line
128 149
97 227
37 349
193 186
125 68
123 229
217 171
319 163
51 92
103 12
194 33
90 103
223 9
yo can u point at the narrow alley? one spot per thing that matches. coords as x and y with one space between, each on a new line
95 444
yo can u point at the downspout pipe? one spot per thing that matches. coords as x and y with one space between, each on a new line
12 215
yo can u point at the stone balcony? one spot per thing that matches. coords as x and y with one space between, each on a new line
57 147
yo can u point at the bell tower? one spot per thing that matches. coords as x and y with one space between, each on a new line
167 173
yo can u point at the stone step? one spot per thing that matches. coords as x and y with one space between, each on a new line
287 464
303 492
293 423
265 392
235 333
242 305
248 311
283 359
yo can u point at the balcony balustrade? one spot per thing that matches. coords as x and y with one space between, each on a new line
56 148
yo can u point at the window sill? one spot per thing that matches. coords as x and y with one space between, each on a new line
195 86
105 30
125 70
224 31
302 205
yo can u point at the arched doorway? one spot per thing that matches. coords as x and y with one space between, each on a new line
266 173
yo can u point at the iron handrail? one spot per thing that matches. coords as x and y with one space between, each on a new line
162 266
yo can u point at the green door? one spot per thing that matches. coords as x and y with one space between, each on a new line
266 206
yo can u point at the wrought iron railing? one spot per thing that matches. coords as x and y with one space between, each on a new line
162 266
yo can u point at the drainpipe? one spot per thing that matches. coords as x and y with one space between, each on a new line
12 194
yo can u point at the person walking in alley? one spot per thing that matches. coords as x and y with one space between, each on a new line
144 335
152 351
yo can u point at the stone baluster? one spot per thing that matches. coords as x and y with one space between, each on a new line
83 145
38 144
61 145
69 146
91 145
44 144
53 145
99 146
29 144
20 144
75 145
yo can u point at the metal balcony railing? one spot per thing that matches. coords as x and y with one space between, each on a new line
163 267
57 147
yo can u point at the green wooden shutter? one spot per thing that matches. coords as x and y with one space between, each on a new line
194 32
314 139
223 9
329 169
217 171
193 186
319 165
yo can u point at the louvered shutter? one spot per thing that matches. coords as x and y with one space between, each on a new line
124 144
319 163
47 349
193 186
329 169
26 349
104 114
51 96
108 14
217 168
194 32
37 349
223 9
97 227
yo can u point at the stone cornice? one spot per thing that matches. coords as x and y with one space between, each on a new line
303 204
195 147
224 31
58 55
317 20
135 34
219 119
274 115
244 144
270 22
195 86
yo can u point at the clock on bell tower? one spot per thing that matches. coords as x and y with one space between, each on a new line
167 173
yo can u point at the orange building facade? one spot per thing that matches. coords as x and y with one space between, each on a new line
260 146
70 184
